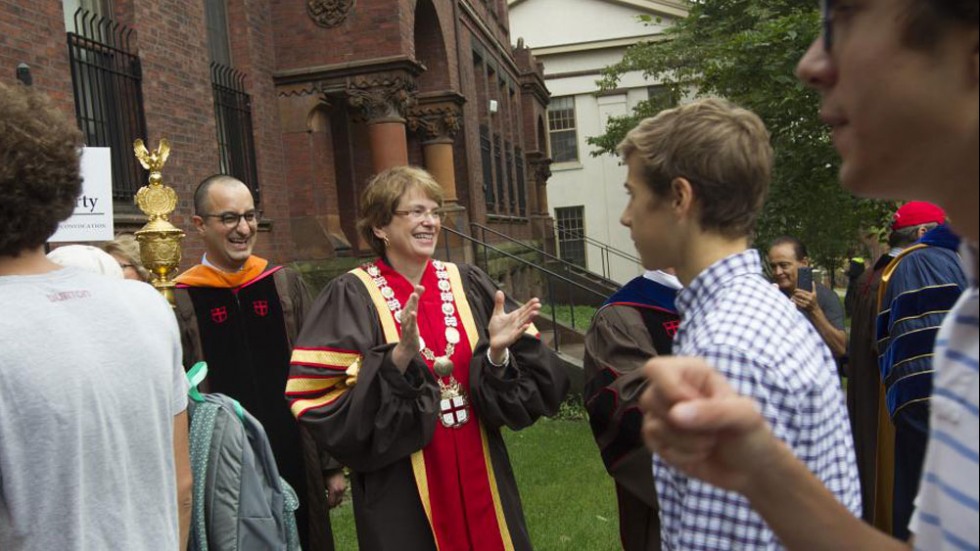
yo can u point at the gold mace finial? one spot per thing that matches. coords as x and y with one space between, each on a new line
159 239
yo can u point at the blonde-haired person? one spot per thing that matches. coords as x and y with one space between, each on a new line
126 250
405 371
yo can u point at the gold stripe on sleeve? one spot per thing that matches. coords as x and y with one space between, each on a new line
325 358
299 407
305 385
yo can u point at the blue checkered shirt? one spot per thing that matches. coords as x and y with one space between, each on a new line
743 326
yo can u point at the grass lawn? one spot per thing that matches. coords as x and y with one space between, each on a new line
581 315
569 500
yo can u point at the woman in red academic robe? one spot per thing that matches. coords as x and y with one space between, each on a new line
405 371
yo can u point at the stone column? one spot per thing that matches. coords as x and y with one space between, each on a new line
383 101
542 226
437 126
541 171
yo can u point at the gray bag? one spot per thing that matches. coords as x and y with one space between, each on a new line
240 501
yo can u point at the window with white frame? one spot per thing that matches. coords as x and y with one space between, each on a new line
570 225
561 127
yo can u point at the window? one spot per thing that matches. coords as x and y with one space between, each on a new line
561 126
498 162
661 96
107 83
521 186
570 223
233 118
486 157
511 183
216 19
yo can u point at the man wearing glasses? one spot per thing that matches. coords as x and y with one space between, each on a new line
899 82
241 314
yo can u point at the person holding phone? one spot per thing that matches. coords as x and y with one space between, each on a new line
792 273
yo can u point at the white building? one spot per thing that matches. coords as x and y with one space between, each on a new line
576 39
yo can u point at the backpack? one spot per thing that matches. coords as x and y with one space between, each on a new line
240 501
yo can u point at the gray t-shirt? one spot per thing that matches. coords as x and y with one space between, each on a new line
830 304
90 382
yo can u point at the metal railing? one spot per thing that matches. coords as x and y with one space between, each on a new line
551 281
565 265
107 81
606 252
233 115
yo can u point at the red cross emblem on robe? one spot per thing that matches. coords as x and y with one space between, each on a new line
261 307
454 411
219 314
671 327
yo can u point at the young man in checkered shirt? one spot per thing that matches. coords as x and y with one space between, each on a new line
899 82
698 175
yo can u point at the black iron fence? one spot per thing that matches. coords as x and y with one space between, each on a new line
107 82
233 115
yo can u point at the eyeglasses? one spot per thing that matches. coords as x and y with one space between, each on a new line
827 23
419 213
231 220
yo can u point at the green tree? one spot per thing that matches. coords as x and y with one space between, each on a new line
746 51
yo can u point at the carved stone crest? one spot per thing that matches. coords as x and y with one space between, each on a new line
329 13
433 123
382 97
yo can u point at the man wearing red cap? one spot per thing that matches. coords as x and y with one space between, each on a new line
864 389
918 288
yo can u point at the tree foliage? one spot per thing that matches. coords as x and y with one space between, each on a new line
746 51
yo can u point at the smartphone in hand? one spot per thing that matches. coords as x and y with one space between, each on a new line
804 278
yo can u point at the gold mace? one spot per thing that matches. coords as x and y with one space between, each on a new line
159 239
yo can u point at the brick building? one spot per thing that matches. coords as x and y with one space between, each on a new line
302 100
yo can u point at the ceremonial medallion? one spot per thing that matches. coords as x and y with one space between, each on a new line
453 403
454 408
443 366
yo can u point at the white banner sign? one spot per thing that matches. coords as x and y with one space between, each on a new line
92 220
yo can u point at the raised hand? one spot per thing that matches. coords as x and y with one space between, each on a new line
505 328
695 421
408 346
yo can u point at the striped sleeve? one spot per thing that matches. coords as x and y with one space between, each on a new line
320 376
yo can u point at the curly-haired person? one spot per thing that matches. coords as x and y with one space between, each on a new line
93 428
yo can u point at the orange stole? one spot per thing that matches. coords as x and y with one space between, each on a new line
454 472
205 276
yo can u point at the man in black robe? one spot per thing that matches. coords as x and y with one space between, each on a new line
241 314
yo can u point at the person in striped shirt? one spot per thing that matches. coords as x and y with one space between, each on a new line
899 82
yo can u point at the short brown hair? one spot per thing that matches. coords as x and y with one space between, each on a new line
40 177
381 197
722 149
